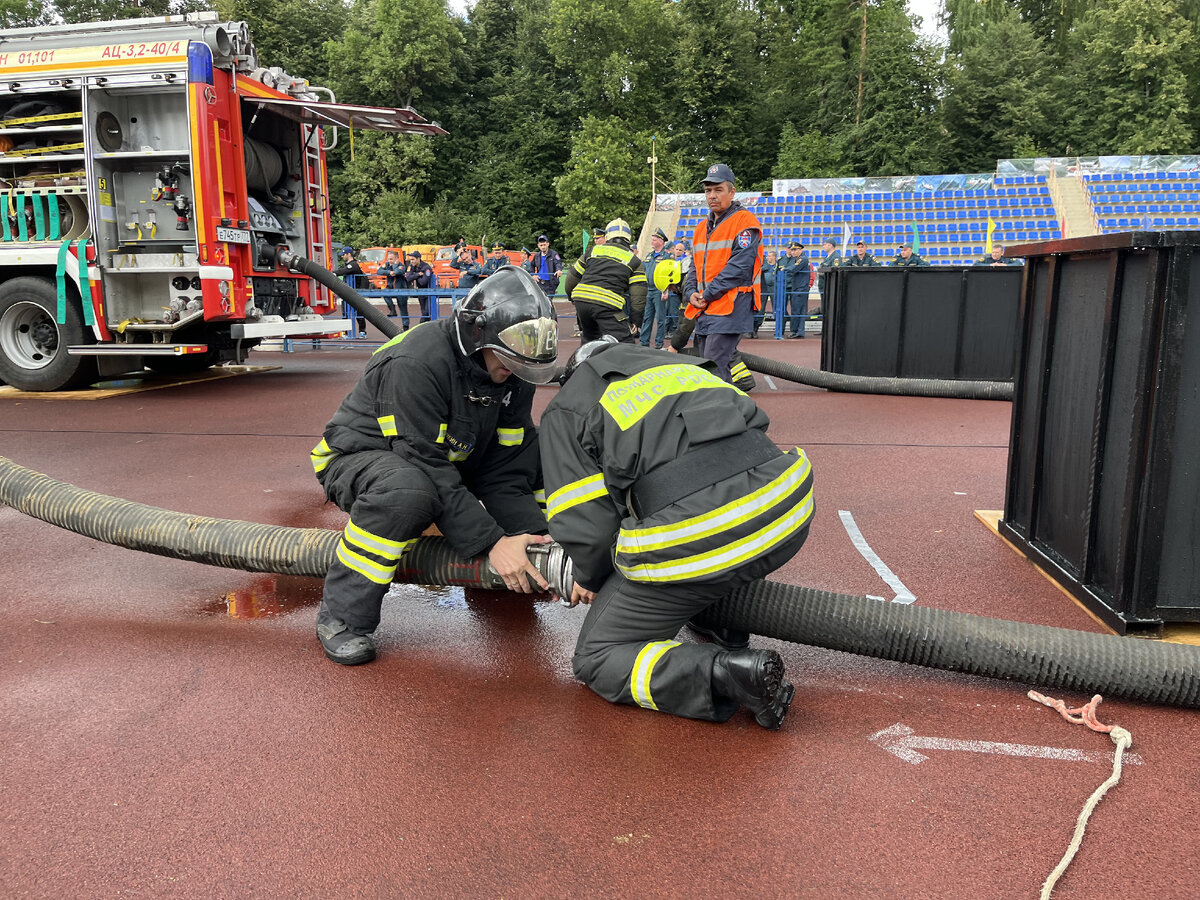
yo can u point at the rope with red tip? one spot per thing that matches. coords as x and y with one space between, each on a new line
1084 715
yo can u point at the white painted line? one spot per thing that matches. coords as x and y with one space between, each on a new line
770 383
902 741
903 594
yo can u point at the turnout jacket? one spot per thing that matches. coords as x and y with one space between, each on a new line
423 400
606 274
630 425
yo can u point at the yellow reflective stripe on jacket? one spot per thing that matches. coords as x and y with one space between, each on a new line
629 400
510 437
397 339
458 455
637 277
540 497
367 568
721 519
612 251
578 267
732 554
576 492
322 455
380 546
643 671
596 294
441 438
387 424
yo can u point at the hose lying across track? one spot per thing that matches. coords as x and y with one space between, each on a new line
1033 654
830 381
870 384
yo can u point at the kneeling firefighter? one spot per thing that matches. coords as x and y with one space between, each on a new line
438 429
661 458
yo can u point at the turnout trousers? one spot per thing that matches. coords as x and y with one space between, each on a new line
390 503
627 652
597 320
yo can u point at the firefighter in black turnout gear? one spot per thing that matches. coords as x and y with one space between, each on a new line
665 491
601 282
438 429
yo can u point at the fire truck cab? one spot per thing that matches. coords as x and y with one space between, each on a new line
149 171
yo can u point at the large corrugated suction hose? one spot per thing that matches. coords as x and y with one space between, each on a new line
1033 654
296 263
870 384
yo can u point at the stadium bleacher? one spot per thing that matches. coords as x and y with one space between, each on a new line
1127 201
952 225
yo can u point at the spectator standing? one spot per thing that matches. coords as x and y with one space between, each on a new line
419 274
723 286
832 260
656 304
770 265
352 272
496 260
906 258
799 280
602 281
470 270
545 265
393 271
674 293
861 258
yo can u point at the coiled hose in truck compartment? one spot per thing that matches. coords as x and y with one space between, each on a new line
1033 654
871 384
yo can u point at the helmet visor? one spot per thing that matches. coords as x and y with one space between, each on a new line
526 370
533 339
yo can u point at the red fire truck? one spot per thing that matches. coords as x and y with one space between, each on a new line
150 170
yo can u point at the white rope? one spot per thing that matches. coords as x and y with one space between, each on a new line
1122 739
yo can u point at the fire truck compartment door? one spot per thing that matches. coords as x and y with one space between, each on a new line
349 115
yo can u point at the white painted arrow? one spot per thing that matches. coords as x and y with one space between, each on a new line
903 742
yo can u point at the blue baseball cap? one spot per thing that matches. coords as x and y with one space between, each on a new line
717 173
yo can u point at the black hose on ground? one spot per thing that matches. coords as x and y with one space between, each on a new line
1038 655
296 263
871 384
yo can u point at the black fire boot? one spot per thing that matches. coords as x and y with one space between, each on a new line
344 646
754 678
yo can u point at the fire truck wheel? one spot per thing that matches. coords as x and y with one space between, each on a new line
33 346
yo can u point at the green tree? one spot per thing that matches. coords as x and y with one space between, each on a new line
23 13
72 11
1127 82
808 155
290 33
619 52
998 102
605 178
392 51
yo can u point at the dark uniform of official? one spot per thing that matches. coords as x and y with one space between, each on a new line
667 494
599 284
424 437
853 261
913 260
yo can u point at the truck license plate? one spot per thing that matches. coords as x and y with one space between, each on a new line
232 235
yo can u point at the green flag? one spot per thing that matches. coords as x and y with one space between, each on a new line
586 238
916 238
